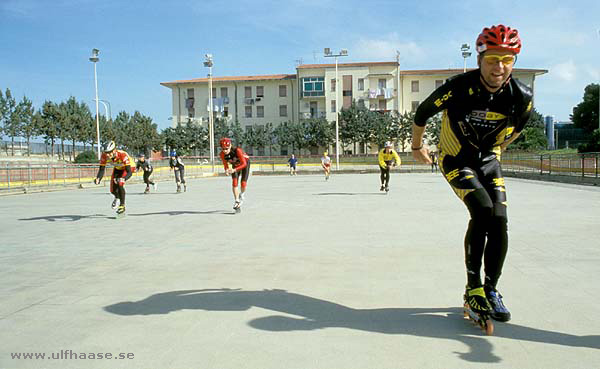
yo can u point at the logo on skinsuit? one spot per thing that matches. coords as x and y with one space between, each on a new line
452 174
441 100
487 115
499 182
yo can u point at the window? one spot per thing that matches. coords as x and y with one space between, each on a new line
191 113
313 86
190 93
225 111
361 103
260 111
224 92
248 112
361 84
282 90
382 105
248 92
260 91
438 83
214 92
333 85
414 86
333 106
414 105
382 83
283 110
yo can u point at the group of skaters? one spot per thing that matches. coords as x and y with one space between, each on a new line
484 110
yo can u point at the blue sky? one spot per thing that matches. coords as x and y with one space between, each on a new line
45 44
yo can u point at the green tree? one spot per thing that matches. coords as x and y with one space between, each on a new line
49 122
318 132
28 126
282 135
533 136
585 114
383 129
353 124
593 145
432 129
10 119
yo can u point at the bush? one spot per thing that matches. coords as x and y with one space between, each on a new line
86 157
593 145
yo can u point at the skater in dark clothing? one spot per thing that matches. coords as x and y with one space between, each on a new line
292 162
121 172
484 110
148 169
434 161
176 164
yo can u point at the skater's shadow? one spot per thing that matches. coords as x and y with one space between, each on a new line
311 314
183 212
68 218
349 193
74 218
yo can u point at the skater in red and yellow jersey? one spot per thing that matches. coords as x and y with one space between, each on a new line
240 169
122 172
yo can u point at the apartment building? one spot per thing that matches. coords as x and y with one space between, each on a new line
313 92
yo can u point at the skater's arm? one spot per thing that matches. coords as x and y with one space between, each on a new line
100 174
380 158
419 152
396 157
128 172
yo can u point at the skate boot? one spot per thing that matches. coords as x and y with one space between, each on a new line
382 188
121 211
147 190
499 311
387 189
178 188
478 309
184 188
114 204
237 206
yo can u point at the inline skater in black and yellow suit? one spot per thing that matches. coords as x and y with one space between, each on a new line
483 111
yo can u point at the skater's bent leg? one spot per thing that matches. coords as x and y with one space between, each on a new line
121 193
181 174
480 208
387 176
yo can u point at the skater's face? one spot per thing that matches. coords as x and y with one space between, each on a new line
226 149
496 67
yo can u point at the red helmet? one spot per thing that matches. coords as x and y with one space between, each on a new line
499 37
225 142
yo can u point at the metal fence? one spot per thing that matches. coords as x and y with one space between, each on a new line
21 176
572 165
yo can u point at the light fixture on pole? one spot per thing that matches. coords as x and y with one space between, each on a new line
465 53
107 112
211 136
94 59
329 54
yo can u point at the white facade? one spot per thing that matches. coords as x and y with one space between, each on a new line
312 92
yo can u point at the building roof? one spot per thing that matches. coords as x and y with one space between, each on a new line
232 79
341 65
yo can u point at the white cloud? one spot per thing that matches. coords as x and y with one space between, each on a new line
385 49
566 71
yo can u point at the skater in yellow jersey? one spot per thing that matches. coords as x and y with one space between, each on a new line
388 158
484 110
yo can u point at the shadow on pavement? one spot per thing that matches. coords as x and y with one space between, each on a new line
74 218
349 193
312 314
69 218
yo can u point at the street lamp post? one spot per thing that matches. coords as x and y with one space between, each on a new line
211 139
329 54
94 59
465 53
107 112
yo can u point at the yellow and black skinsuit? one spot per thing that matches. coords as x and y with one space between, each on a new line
385 161
475 123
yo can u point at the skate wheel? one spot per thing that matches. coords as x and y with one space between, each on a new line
489 327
